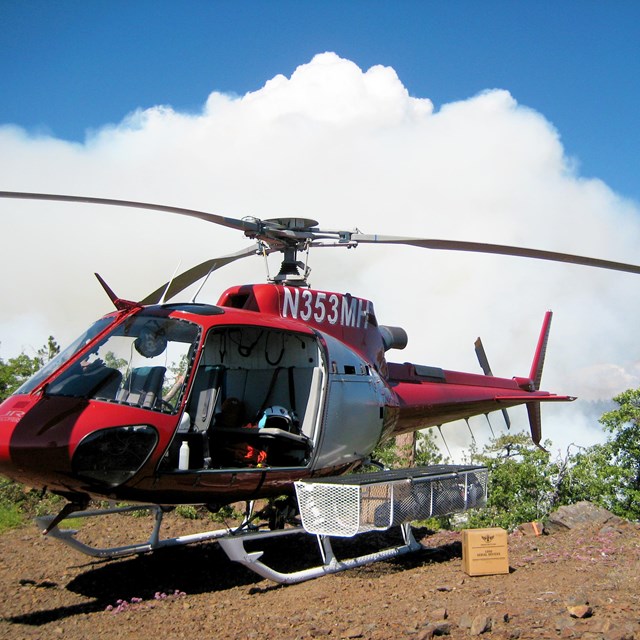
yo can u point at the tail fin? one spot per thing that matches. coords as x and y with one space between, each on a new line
535 423
535 376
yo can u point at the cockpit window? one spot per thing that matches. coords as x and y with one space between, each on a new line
65 355
143 362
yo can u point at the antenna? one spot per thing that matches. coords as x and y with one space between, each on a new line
486 415
173 275
445 442
204 281
473 438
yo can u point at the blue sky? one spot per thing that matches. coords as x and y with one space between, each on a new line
69 66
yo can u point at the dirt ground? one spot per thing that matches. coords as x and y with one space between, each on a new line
49 590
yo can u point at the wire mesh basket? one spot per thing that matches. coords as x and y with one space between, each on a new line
347 505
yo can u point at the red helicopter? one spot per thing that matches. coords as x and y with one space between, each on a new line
170 403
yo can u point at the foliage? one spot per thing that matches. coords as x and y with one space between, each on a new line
521 482
525 484
16 502
187 511
622 454
590 475
609 474
10 517
227 512
427 452
112 361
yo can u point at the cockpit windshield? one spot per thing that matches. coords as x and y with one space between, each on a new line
143 362
65 355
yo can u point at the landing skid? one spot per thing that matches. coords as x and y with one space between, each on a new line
343 506
68 536
232 543
234 548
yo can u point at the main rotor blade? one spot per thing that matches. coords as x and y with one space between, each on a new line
499 249
242 225
187 278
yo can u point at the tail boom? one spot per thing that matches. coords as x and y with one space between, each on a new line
429 396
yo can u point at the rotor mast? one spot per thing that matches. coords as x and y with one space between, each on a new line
289 236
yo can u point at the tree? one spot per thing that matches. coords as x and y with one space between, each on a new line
14 500
590 474
48 351
623 451
426 451
521 482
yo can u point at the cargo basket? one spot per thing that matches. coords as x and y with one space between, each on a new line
344 506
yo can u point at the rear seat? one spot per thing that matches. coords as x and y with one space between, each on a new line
252 387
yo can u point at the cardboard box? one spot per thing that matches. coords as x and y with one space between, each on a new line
485 551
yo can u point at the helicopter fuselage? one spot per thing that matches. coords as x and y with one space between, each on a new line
210 404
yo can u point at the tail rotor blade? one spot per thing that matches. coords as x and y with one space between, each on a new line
486 367
482 357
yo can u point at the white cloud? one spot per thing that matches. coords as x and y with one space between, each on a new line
350 149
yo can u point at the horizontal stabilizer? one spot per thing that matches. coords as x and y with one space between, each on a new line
527 398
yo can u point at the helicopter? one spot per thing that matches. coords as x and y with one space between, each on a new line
170 403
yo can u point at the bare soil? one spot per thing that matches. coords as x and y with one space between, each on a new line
49 590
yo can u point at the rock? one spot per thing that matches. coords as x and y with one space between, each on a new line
601 626
576 600
479 625
465 621
439 614
579 515
580 611
442 629
438 629
531 528
562 623
624 632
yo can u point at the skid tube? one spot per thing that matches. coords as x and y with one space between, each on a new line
154 542
233 546
230 540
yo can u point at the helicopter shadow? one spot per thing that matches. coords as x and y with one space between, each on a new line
192 569
205 568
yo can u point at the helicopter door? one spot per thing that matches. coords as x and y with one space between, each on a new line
353 420
254 404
